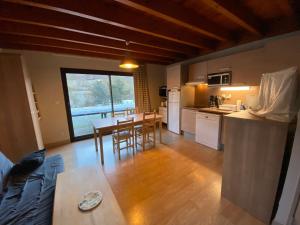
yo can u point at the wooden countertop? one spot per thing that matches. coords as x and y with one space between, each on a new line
209 110
245 115
215 111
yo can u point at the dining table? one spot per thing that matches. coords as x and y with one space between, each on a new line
103 126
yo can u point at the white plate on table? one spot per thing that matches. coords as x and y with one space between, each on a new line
90 200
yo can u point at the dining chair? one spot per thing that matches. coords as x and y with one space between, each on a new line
132 111
119 114
147 132
123 134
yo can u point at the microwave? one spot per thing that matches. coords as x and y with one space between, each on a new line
219 79
163 91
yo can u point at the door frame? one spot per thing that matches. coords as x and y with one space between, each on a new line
63 72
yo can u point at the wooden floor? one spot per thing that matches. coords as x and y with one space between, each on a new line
176 183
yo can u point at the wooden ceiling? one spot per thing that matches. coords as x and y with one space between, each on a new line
159 31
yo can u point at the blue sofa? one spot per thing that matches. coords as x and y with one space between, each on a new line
29 199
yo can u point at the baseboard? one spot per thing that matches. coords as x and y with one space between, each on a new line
57 144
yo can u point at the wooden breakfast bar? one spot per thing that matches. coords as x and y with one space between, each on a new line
106 125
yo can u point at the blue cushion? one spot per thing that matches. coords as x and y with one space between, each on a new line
5 166
30 200
28 164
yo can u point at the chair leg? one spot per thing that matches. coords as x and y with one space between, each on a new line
144 140
114 145
119 150
136 140
154 137
132 144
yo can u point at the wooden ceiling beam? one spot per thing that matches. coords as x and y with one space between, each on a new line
238 14
78 46
60 50
63 35
50 19
122 17
173 13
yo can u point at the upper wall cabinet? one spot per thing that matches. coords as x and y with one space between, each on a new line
176 76
247 67
198 71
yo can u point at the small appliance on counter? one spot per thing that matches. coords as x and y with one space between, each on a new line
215 101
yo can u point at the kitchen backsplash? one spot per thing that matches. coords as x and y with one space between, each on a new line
203 92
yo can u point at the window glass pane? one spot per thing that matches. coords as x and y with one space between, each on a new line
90 98
123 92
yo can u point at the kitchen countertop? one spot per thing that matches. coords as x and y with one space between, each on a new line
245 115
215 110
209 110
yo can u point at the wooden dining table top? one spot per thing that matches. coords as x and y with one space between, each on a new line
111 122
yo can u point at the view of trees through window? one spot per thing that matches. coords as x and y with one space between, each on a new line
94 96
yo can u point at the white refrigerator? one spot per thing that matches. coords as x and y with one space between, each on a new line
174 111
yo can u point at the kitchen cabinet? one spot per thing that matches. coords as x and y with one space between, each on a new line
164 113
173 76
246 67
198 71
188 120
253 154
176 76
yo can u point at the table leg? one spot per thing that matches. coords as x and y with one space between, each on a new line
160 130
95 137
101 147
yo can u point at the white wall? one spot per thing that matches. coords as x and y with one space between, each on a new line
44 69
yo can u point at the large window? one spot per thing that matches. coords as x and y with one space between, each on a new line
91 95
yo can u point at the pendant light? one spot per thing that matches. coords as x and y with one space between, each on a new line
127 62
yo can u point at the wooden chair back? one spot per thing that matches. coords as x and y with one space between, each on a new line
132 111
125 125
149 119
119 114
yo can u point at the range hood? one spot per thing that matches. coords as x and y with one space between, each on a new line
195 83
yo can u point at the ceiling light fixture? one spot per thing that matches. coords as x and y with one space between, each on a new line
127 62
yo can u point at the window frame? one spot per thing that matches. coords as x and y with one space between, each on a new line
64 72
